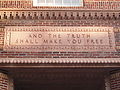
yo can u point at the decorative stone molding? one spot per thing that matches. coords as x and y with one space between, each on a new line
60 60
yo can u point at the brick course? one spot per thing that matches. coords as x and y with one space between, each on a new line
4 54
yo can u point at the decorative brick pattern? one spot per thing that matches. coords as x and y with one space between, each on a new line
4 82
59 15
115 81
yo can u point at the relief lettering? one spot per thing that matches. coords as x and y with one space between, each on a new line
35 35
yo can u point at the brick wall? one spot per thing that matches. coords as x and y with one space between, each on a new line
4 54
88 4
115 81
46 18
4 82
94 13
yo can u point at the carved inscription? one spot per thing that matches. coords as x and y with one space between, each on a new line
60 39
56 38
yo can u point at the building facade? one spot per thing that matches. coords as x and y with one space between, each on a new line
60 47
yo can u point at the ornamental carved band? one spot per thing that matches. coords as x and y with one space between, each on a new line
59 39
4 82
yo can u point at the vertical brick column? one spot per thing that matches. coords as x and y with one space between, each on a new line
2 33
115 81
6 83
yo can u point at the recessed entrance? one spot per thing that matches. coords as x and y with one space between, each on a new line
58 79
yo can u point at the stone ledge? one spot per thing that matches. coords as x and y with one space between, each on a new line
59 60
